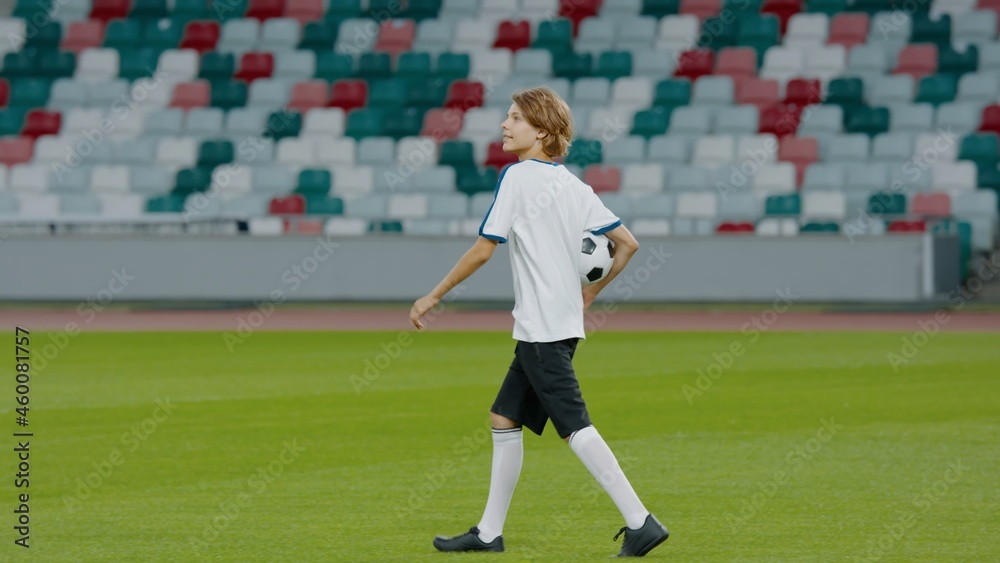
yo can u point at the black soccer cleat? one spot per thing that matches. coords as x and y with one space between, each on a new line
640 542
468 541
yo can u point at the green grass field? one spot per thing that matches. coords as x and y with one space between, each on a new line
274 453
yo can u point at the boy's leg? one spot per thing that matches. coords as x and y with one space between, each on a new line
595 454
516 405
508 455
550 370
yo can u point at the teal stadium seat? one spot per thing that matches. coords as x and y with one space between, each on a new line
363 123
790 204
555 36
652 122
453 66
318 36
660 8
314 183
614 64
332 66
123 35
217 66
214 153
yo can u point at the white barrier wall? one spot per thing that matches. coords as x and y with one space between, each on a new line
401 268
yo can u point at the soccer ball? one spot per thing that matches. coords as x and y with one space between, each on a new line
595 260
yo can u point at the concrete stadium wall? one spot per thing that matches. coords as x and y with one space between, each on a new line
302 268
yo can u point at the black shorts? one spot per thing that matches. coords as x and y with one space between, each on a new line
540 385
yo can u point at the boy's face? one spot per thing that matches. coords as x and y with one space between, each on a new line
519 136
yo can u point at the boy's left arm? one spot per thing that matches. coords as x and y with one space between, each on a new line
467 265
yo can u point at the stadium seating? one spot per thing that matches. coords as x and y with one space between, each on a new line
809 112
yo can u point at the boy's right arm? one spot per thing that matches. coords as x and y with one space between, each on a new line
467 265
625 247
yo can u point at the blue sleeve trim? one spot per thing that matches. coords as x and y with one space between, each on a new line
496 192
501 240
610 227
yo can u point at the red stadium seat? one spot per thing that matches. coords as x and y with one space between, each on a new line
800 151
918 60
189 95
513 35
395 36
993 5
200 36
739 80
293 204
991 119
442 124
803 91
82 35
780 120
497 158
907 227
265 9
737 62
783 9
106 10
16 150
603 178
704 9
465 94
348 94
735 228
308 95
4 92
304 10
578 10
40 122
931 205
848 29
254 66
762 93
695 63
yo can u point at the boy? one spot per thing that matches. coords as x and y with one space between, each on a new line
542 209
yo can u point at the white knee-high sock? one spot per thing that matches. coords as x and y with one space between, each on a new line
508 453
602 464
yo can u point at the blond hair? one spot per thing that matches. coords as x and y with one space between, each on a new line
545 110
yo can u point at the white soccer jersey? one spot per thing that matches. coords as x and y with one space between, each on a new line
543 210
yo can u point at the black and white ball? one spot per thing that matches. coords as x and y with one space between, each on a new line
595 260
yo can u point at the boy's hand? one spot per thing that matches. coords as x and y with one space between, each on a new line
420 308
589 293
